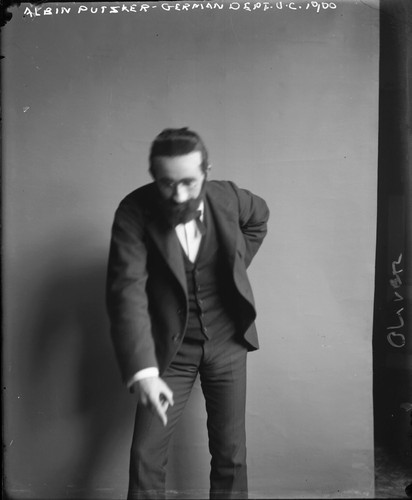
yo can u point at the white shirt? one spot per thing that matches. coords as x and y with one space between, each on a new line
190 239
190 236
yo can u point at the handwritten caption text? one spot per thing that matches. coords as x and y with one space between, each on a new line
313 6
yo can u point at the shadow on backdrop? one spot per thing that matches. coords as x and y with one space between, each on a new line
77 416
83 410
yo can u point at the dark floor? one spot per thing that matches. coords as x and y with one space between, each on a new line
393 473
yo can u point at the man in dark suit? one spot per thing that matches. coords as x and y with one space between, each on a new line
180 304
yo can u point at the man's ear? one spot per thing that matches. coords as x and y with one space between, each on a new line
207 171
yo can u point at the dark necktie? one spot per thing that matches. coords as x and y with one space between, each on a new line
200 224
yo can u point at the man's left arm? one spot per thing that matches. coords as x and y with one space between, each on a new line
253 218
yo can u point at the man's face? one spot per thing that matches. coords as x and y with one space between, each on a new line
179 178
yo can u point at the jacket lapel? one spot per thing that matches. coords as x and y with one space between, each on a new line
169 246
225 214
227 225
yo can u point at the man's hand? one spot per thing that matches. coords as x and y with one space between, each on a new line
155 394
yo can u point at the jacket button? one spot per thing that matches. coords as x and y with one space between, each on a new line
176 338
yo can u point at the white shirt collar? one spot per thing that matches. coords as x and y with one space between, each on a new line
201 209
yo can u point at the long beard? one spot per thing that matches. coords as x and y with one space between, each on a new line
180 213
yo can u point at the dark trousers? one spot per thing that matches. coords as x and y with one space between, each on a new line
222 369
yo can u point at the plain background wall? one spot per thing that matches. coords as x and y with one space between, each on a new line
287 103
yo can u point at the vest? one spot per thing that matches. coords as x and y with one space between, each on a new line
210 289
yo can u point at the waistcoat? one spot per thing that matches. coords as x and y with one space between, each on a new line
210 289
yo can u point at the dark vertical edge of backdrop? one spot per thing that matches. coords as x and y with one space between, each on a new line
391 361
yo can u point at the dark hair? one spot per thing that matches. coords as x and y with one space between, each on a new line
176 142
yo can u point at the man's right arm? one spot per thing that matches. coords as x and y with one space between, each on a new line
127 305
152 371
127 301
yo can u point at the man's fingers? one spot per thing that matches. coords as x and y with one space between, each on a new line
143 398
164 403
155 394
167 395
160 410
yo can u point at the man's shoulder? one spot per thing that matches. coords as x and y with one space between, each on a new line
226 191
223 188
229 196
138 204
142 196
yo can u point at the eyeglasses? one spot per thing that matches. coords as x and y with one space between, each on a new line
169 185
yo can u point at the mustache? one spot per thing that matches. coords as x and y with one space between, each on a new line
175 213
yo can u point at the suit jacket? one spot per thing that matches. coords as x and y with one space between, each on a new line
146 283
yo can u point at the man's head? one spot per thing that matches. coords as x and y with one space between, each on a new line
179 166
178 142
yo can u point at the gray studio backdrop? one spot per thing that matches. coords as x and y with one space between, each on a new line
286 99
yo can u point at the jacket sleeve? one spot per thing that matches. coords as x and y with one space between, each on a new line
126 298
253 218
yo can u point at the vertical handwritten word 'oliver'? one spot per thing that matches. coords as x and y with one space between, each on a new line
395 337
